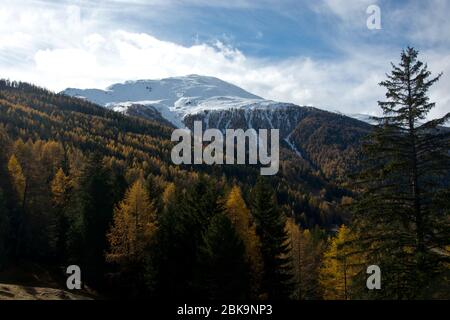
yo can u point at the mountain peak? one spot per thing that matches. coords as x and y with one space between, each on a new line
173 97
176 97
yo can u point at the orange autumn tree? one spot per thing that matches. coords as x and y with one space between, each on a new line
240 217
133 228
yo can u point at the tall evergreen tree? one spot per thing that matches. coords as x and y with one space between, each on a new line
89 218
4 229
405 179
5 223
270 226
222 269
180 233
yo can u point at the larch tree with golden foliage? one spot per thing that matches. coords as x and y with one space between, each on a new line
60 187
18 178
133 228
306 259
340 266
168 193
240 217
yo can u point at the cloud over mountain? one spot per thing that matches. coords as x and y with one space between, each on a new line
83 46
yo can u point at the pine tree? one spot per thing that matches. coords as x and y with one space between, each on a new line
90 215
270 226
404 181
4 230
170 267
222 269
133 228
240 217
187 215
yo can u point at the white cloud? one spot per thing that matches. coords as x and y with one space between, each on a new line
65 46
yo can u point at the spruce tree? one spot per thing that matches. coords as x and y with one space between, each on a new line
180 233
90 215
402 223
4 230
222 269
270 226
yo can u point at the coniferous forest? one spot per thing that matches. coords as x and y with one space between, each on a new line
83 185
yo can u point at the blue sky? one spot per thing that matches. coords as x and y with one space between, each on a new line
308 52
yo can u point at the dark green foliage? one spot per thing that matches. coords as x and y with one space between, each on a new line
180 233
402 217
222 270
90 217
270 226
4 212
4 229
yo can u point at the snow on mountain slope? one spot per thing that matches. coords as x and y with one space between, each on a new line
304 131
362 117
359 116
172 97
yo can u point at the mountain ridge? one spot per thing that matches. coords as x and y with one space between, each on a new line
177 97
327 141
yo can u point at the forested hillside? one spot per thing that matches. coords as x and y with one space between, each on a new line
72 172
83 185
322 141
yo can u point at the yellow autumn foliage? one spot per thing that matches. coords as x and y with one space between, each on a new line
240 217
134 226
17 177
339 267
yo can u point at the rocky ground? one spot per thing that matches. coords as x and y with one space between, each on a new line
18 292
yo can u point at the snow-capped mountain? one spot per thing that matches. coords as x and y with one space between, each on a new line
173 97
177 98
359 116
362 117
305 132
180 100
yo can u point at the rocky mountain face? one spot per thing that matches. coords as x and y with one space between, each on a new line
327 141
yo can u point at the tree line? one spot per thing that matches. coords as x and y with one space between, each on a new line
83 185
